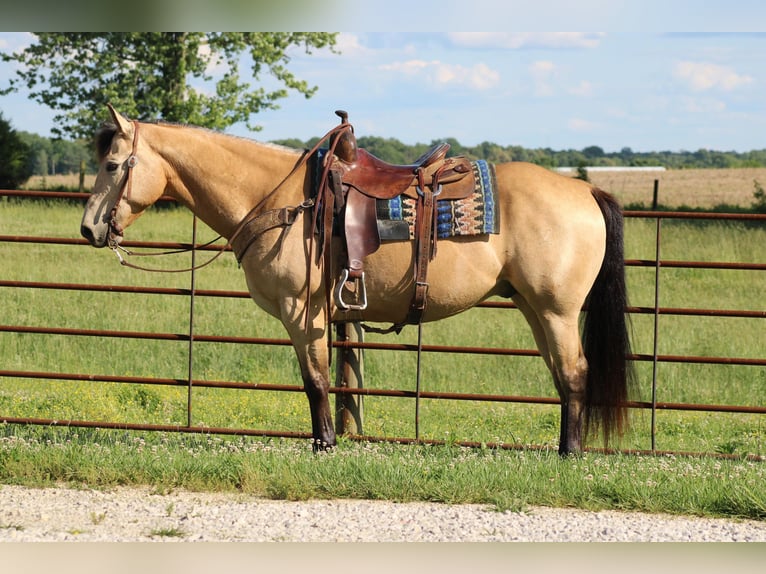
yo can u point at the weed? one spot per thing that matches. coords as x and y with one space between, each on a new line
97 517
167 532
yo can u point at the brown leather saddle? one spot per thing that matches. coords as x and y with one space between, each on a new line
357 179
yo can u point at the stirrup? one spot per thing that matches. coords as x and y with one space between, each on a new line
361 295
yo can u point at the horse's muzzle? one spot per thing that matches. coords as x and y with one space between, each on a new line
97 241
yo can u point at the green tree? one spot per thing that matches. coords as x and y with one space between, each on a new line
593 151
14 157
759 198
189 77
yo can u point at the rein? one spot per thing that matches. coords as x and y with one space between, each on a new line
276 215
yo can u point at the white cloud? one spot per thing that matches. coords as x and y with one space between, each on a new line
581 125
541 72
702 76
477 77
515 41
583 89
703 105
215 66
542 68
349 45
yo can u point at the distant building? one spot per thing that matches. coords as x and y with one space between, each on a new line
567 170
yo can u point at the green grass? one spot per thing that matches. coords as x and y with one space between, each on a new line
727 433
284 469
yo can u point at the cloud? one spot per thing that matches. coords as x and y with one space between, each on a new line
583 89
581 125
478 77
512 41
541 72
703 105
703 76
542 68
349 45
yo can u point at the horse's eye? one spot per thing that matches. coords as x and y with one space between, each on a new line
112 166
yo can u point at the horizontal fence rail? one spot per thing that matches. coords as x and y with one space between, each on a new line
194 337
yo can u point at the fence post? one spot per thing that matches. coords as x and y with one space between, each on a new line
192 293
81 187
655 346
349 374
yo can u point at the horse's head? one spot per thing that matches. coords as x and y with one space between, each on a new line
130 179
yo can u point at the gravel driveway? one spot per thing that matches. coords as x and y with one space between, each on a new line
129 514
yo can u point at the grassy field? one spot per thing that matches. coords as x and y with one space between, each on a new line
737 434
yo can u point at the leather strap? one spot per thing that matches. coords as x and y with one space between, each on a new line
424 248
267 220
127 185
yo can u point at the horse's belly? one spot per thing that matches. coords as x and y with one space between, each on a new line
463 273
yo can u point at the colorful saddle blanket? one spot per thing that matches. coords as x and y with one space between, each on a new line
475 215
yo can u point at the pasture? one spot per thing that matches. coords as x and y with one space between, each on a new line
729 433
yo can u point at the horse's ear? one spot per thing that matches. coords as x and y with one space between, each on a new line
121 123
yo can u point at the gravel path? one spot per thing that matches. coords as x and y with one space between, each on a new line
62 514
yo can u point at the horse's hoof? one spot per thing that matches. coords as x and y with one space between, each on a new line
319 445
570 453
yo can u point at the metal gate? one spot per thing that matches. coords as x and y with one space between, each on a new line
346 345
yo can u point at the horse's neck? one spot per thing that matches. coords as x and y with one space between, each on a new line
221 178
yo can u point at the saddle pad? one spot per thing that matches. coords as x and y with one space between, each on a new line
475 215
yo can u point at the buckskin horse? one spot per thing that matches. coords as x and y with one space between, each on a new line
557 247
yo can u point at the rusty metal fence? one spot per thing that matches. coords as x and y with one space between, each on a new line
346 345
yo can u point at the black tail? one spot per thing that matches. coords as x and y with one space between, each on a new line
606 341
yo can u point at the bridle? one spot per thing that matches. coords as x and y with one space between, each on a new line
115 230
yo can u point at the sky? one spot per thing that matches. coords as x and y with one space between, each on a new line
649 91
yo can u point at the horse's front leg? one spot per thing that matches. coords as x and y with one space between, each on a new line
313 357
316 384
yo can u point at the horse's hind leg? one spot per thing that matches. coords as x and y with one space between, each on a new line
569 368
559 346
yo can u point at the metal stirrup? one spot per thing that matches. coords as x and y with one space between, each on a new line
361 295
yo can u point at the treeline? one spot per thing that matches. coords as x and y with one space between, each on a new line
54 156
48 156
394 151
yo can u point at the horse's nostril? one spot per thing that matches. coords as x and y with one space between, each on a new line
87 233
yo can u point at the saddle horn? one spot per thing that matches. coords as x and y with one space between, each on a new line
345 148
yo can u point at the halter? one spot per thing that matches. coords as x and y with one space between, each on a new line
125 189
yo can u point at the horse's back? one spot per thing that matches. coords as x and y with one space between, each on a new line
527 189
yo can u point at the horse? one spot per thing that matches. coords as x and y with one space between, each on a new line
559 249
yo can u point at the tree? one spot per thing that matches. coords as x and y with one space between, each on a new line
593 151
14 155
50 157
163 75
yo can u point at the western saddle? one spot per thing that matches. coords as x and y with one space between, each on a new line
351 182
